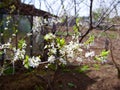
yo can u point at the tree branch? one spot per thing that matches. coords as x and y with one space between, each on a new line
90 25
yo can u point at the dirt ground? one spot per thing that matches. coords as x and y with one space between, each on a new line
105 78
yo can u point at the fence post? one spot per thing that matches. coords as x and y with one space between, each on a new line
2 40
31 38
67 25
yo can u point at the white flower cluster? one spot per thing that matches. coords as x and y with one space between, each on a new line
69 53
51 59
18 54
36 24
103 59
62 60
51 48
5 46
13 35
49 36
34 61
29 34
89 54
72 50
24 45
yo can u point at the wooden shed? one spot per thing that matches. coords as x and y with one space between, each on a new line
16 7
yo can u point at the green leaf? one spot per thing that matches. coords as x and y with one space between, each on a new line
77 21
60 85
96 66
71 84
84 68
75 29
90 40
8 71
1 52
60 41
20 43
26 66
63 20
97 58
66 70
16 31
104 53
26 62
52 67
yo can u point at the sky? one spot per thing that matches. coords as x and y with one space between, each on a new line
82 6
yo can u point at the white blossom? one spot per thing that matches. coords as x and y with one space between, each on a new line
80 50
103 59
1 34
29 34
36 24
62 52
79 59
51 59
18 54
10 39
6 28
13 35
34 61
7 21
89 54
71 51
63 61
6 45
53 50
70 54
49 36
24 45
46 66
